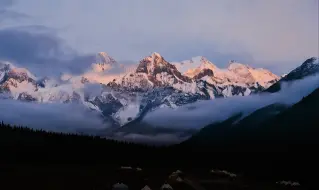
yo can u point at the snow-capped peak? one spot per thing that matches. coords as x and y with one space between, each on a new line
196 65
154 57
12 69
233 66
206 64
252 75
155 54
130 91
5 65
103 62
236 73
152 63
309 67
103 57
311 61
22 72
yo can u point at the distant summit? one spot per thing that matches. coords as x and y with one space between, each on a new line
307 68
103 62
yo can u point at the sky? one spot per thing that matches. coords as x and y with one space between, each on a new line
62 34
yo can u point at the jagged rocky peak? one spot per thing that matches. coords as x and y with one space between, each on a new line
4 66
159 72
198 67
310 64
307 68
104 58
11 77
205 62
103 62
18 74
151 63
189 67
312 60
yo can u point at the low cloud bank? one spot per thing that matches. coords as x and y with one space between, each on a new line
200 114
158 139
52 117
39 49
71 118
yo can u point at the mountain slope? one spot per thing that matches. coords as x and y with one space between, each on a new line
156 83
307 68
282 146
297 124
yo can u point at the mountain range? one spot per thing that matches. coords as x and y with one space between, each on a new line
276 124
124 94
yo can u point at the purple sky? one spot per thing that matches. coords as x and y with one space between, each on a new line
275 34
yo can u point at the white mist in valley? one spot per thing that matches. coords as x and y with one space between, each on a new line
202 113
57 117
71 118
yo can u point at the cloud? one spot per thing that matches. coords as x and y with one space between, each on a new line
277 35
269 32
38 49
92 90
75 117
158 139
202 113
52 117
72 118
6 3
6 13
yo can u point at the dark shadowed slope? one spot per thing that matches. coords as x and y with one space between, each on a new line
308 68
298 123
282 145
236 128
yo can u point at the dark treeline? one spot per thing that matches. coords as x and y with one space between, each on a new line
20 145
33 145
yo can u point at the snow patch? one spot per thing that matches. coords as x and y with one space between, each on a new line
2 74
127 113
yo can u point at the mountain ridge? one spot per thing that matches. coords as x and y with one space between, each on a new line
307 68
128 92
